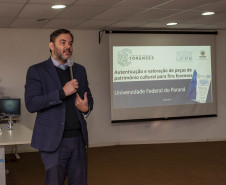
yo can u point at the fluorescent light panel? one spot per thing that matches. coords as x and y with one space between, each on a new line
208 13
58 6
171 24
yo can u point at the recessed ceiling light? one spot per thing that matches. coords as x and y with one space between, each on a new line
171 24
208 13
58 6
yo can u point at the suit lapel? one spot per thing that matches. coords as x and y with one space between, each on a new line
52 71
76 73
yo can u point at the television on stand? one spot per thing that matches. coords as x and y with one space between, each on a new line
10 107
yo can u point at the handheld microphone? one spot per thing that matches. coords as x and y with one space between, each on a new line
70 65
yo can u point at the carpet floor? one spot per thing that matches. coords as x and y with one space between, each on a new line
201 163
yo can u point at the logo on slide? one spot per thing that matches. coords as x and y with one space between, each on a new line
202 54
184 56
123 57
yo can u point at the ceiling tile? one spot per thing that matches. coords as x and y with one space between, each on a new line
153 14
184 26
143 3
38 11
9 10
13 1
98 2
52 2
27 23
213 6
4 23
212 26
62 23
184 16
114 14
209 19
153 25
119 13
77 12
184 5
162 25
95 24
130 24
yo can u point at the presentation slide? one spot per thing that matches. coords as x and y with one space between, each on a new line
146 76
162 75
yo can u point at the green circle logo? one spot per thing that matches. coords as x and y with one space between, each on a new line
123 57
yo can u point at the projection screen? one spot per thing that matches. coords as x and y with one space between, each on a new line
162 75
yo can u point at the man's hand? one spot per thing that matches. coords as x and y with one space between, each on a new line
70 87
82 104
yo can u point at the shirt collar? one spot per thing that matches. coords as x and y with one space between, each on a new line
57 64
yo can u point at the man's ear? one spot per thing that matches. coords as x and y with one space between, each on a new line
51 46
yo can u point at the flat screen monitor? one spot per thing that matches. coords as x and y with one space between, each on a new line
10 106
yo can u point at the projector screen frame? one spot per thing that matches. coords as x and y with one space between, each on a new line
167 118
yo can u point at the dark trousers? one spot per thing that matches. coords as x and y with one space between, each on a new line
69 160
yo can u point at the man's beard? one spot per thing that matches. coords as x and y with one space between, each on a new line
60 56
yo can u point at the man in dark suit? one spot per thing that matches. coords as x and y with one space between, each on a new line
62 104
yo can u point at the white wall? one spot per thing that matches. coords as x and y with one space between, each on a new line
21 48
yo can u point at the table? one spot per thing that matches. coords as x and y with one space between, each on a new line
18 135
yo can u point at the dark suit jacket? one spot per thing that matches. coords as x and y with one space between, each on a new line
42 96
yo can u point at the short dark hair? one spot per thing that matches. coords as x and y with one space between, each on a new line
58 32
